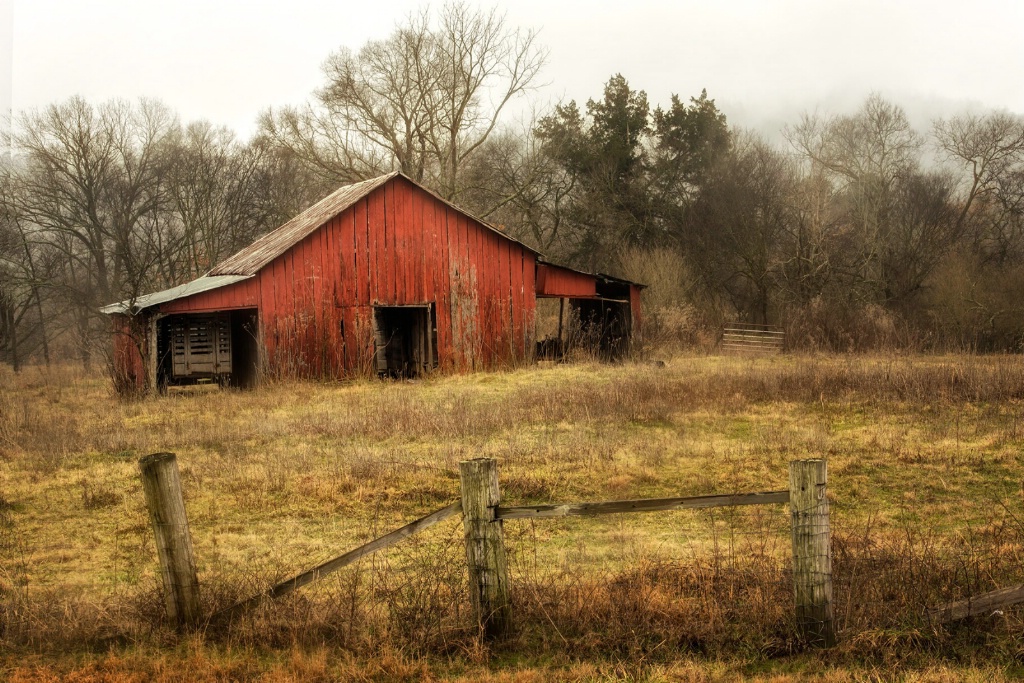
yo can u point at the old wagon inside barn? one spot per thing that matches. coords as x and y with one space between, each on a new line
380 277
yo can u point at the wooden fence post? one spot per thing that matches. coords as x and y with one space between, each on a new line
485 546
812 555
162 486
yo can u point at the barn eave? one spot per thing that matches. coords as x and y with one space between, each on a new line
201 284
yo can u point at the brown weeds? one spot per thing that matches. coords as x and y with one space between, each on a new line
924 460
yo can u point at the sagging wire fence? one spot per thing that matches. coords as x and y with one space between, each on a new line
763 568
486 556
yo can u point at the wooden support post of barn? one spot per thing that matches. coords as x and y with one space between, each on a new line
812 555
561 316
151 358
485 546
161 483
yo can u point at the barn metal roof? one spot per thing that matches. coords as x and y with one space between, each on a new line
612 278
202 284
598 276
249 260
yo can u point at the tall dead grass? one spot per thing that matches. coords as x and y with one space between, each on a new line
357 458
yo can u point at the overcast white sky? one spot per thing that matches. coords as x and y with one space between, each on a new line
764 62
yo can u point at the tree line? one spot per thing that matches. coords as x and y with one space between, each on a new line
858 232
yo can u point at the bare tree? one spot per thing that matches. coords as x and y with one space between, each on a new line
872 159
93 189
213 183
25 273
740 219
423 100
513 182
990 149
807 243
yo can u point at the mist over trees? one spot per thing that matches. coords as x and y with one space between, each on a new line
859 233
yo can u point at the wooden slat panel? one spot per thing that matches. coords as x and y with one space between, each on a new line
375 231
518 312
280 310
443 288
470 305
233 296
364 214
742 338
480 264
494 297
389 274
338 266
529 302
635 307
554 280
200 344
307 337
399 227
455 260
266 309
414 245
505 299
431 249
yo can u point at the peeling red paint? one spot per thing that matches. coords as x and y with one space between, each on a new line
398 245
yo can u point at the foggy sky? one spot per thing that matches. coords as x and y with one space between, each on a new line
764 62
6 71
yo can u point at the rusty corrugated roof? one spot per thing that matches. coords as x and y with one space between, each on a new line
276 242
249 260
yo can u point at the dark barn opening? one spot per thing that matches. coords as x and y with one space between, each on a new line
196 348
405 340
246 348
605 326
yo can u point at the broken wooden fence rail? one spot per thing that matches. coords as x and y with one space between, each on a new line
978 605
641 505
343 560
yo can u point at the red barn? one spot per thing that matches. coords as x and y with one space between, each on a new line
381 276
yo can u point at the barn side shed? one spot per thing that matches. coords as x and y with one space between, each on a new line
607 309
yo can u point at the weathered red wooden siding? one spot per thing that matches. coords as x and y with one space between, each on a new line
554 280
399 245
635 309
127 358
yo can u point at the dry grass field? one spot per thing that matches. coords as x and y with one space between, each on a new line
926 466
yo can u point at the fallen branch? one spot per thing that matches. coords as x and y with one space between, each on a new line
986 603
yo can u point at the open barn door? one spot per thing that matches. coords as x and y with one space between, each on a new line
195 348
405 340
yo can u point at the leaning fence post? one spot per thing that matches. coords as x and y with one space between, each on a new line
162 486
812 554
485 546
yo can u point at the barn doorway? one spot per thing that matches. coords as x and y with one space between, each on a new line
199 348
405 340
605 326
